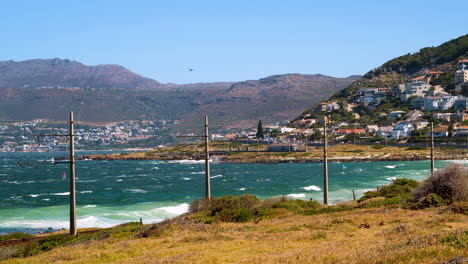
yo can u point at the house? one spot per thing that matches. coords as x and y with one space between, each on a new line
461 103
417 102
413 115
331 106
461 75
420 123
440 131
459 117
340 124
385 131
306 122
347 131
439 103
443 117
371 128
402 130
396 114
282 148
416 88
461 131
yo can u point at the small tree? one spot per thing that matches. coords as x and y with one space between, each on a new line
259 130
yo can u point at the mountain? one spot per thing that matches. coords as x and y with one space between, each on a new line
49 88
67 73
441 59
274 98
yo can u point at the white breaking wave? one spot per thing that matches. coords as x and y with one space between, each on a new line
216 176
64 193
188 161
197 172
312 188
296 195
187 179
176 210
89 206
135 190
86 192
391 166
241 189
391 179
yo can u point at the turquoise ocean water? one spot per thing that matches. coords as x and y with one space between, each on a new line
34 198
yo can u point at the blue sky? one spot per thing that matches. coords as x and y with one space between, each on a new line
227 40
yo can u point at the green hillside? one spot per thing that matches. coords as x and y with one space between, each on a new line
442 58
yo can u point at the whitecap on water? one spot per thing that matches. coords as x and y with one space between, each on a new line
296 195
312 188
135 190
187 179
391 178
216 176
64 193
391 166
241 189
119 180
197 172
89 206
86 192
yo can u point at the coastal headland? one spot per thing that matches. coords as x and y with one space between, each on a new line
228 152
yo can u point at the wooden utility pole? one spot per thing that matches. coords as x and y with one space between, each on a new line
207 163
207 159
71 162
325 162
72 179
432 149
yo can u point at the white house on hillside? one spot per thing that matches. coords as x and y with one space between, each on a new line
402 130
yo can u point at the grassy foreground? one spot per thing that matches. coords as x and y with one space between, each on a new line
405 222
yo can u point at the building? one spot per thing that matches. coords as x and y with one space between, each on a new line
461 131
439 103
413 115
419 124
347 131
402 130
440 131
417 88
385 131
461 103
282 148
418 102
328 107
372 128
443 117
396 114
461 75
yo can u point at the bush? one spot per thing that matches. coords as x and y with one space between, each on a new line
451 184
431 200
229 209
400 187
15 235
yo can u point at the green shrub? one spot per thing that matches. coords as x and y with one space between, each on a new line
15 235
230 209
378 146
431 200
400 187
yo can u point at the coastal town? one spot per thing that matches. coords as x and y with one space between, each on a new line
22 136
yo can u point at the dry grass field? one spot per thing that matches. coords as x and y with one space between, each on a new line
375 235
